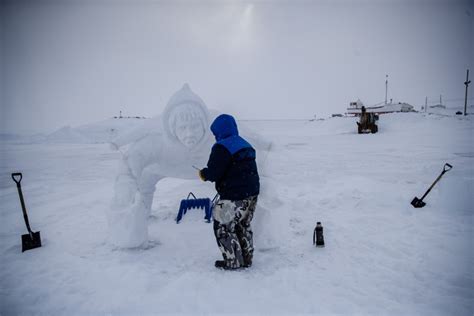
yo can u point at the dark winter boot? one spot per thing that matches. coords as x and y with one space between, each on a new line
247 262
220 264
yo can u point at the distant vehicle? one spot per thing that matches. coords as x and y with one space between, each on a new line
367 122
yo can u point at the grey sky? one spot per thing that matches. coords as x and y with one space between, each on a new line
76 62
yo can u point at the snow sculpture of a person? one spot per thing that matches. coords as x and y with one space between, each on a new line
168 146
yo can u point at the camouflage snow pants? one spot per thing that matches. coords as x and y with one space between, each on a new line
233 232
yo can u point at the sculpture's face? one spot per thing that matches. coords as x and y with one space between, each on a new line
188 125
189 133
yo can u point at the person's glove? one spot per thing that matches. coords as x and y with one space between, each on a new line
201 176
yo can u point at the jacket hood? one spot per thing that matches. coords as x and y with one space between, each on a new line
224 126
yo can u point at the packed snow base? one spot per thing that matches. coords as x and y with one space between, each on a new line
382 256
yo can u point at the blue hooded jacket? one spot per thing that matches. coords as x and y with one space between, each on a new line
232 165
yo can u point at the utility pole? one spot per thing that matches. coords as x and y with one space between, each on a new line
386 88
426 103
467 82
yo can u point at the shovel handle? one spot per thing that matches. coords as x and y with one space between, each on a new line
22 200
17 174
447 167
191 194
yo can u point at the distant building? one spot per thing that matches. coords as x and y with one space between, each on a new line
355 108
440 105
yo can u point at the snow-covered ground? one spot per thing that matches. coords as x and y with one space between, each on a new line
382 256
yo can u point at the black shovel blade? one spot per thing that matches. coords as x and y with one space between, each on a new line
30 241
417 202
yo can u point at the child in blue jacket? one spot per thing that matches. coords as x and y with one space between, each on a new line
233 168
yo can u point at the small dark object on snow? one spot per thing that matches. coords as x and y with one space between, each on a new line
416 202
458 113
32 239
318 238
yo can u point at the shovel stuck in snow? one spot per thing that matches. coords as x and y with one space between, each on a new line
32 239
419 202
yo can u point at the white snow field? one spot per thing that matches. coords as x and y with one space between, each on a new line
382 256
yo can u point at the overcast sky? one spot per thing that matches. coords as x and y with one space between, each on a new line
76 62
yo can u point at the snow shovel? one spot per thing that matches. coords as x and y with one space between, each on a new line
419 202
188 204
31 240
